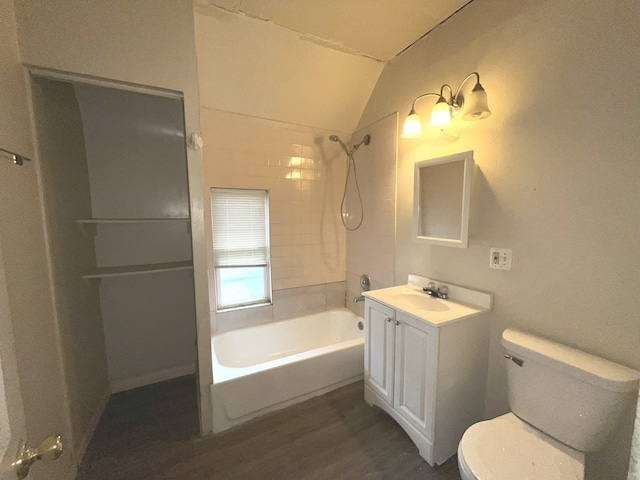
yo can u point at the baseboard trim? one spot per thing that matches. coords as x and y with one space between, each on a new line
120 385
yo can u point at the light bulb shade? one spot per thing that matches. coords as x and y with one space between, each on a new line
412 127
476 106
440 115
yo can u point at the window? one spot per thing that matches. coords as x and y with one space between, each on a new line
240 222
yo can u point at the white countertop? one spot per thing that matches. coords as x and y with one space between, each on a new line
413 300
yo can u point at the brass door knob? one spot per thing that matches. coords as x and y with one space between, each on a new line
49 449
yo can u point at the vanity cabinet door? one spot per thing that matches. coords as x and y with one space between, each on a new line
414 389
380 330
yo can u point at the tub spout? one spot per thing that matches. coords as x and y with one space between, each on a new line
359 298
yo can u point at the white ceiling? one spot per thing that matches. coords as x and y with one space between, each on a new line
379 29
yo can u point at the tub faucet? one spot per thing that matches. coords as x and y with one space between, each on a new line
359 298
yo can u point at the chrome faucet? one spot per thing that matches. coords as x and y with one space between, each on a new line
442 292
359 298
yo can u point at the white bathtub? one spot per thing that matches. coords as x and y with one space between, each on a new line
260 369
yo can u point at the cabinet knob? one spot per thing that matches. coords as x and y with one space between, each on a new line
397 322
388 319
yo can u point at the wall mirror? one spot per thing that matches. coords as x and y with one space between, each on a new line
442 188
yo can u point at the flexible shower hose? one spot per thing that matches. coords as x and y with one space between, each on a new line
351 161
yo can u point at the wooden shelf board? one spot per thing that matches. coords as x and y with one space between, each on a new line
130 220
103 272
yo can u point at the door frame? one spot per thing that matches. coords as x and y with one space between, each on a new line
204 368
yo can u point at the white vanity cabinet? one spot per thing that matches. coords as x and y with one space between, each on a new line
398 352
415 348
429 376
380 340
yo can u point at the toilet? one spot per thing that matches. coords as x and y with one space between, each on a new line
564 402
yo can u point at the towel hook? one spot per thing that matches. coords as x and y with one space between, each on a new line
15 157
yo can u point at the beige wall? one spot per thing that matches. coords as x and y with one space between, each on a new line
370 248
149 43
304 173
557 172
15 133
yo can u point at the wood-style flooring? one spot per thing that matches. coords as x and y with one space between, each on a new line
151 433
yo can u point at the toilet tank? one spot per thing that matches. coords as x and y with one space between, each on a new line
570 395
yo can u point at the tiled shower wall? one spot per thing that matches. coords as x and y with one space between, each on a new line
304 173
370 248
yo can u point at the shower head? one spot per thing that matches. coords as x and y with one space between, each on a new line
335 138
365 140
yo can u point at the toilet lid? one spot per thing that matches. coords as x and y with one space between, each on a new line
506 448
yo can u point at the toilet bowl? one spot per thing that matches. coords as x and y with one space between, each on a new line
507 448
564 402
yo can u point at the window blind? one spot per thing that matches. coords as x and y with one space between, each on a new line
239 221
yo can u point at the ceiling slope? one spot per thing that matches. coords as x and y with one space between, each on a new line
379 29
311 62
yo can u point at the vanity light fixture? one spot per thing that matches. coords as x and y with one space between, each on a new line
475 107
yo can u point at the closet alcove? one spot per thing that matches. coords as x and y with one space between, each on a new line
114 180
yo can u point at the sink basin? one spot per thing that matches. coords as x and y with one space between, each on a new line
422 301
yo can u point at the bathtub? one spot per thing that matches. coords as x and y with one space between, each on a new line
261 369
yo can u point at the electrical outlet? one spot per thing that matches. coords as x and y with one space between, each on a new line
500 258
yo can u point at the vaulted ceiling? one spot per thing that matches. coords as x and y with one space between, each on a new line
379 29
308 62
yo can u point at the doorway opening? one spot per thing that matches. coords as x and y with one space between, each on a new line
113 171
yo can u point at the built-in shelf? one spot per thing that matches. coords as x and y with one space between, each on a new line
88 225
104 272
130 220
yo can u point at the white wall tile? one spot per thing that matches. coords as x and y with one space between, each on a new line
296 302
307 238
335 295
247 317
370 249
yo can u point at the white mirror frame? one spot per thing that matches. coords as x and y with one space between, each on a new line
461 242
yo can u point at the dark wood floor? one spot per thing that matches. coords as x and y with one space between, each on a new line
151 433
